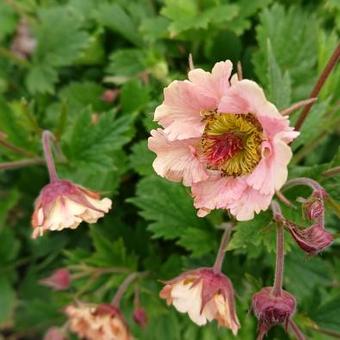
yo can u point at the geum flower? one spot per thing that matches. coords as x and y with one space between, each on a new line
63 204
224 139
205 295
97 322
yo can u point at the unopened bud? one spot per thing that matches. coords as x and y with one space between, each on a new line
313 239
314 206
272 310
59 280
140 317
109 95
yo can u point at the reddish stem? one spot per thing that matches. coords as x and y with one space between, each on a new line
280 256
318 86
296 330
122 289
221 250
47 138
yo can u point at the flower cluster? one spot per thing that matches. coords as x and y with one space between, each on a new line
224 139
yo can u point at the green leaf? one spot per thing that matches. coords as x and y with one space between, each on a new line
93 144
134 96
253 232
141 158
327 314
108 253
116 18
279 84
7 300
7 202
8 20
292 34
169 207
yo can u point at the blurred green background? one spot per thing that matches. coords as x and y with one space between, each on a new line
93 73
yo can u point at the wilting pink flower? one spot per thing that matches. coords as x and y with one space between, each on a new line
63 204
54 333
59 280
272 310
313 239
224 139
205 295
140 317
97 322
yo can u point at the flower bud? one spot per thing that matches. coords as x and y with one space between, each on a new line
140 317
272 310
313 239
205 295
59 280
314 206
63 204
95 322
109 95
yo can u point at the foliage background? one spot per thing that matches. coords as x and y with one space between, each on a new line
138 47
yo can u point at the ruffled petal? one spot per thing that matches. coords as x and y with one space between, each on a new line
250 202
216 193
177 160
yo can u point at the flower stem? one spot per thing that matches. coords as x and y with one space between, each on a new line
280 256
122 288
318 86
303 181
332 172
239 71
297 331
21 163
47 138
221 250
296 106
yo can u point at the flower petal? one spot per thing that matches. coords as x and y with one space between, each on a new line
177 160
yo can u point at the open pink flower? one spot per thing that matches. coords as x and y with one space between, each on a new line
205 295
224 139
97 322
63 204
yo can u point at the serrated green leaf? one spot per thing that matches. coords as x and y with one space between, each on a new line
141 159
134 96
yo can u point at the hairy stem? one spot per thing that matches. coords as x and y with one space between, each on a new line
239 71
303 181
332 172
47 139
122 289
296 106
221 250
280 256
318 86
21 164
296 330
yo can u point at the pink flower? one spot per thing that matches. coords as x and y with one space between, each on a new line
140 317
224 139
272 310
97 322
54 333
205 295
314 205
63 204
313 239
59 280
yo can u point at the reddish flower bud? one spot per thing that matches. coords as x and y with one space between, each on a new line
314 206
54 333
313 239
59 280
109 96
272 310
140 317
205 295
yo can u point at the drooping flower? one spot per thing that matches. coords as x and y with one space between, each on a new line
224 139
63 204
60 279
272 310
313 239
313 206
97 322
205 295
